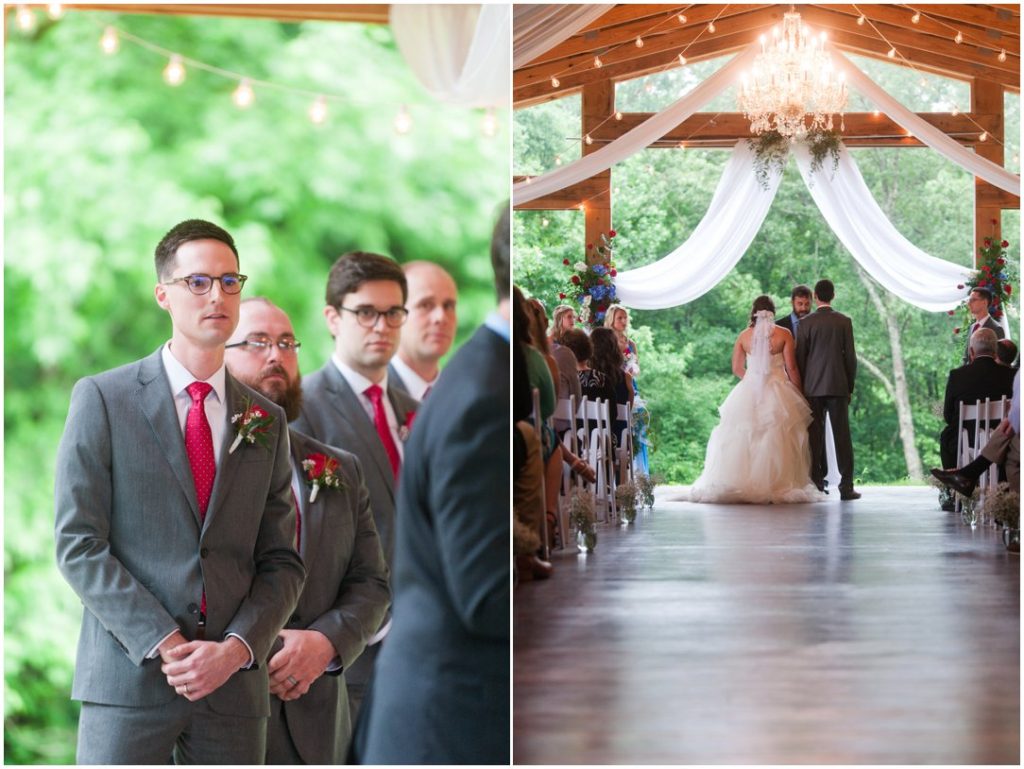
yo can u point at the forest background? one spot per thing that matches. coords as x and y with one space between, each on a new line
658 197
102 157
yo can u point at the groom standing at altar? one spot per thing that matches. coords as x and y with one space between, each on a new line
827 361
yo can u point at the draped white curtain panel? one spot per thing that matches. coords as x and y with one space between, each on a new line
459 53
539 28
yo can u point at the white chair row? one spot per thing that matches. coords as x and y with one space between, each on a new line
986 415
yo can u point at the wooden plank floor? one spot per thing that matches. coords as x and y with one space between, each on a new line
875 631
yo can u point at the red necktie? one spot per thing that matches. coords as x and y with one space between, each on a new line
199 445
380 421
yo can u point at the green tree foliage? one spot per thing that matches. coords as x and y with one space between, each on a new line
102 157
659 196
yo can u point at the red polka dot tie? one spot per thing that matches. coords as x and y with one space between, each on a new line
199 446
380 421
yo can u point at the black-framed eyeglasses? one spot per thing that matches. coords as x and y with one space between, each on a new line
264 343
230 282
367 316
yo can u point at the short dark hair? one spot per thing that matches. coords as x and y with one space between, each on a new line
1006 351
185 232
355 268
824 290
984 292
578 343
801 290
763 302
500 240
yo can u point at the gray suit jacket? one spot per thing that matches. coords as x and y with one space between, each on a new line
440 693
331 413
345 597
130 542
825 354
396 381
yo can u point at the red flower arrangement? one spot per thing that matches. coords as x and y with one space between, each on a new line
994 274
591 284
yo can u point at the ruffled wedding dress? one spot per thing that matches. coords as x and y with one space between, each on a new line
760 452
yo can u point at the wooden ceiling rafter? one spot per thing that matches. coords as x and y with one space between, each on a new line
365 14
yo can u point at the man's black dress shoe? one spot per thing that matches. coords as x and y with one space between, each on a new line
849 494
955 481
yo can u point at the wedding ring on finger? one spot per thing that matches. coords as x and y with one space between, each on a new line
292 681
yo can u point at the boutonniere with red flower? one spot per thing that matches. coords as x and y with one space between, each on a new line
321 470
403 430
253 425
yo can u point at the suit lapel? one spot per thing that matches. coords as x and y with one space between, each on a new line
228 461
157 403
311 514
348 405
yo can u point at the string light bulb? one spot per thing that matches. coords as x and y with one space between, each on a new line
983 136
648 87
1002 55
597 62
639 42
558 160
876 113
243 95
489 125
582 207
892 53
955 110
55 11
174 72
682 60
588 139
916 18
318 111
25 18
682 18
711 26
860 20
110 42
543 222
555 82
618 116
959 37
403 121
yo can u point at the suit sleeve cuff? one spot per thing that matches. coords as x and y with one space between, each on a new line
252 657
155 651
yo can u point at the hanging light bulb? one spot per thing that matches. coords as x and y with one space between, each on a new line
1016 158
959 37
618 116
403 121
892 53
955 110
711 27
489 125
648 87
243 95
55 11
916 17
876 113
860 20
25 18
983 136
318 110
639 42
682 18
588 139
681 145
174 72
597 62
582 207
110 41
555 82
1002 55
682 60
543 222
558 160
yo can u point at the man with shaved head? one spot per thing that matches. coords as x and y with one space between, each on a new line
428 334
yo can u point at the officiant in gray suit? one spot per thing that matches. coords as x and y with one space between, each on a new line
350 402
176 531
346 594
827 361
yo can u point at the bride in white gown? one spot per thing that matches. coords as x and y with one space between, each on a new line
760 452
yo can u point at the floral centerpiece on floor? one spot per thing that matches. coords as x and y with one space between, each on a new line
645 488
626 498
995 274
591 283
582 518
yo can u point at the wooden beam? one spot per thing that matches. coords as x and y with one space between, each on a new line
598 102
366 14
987 97
993 17
567 198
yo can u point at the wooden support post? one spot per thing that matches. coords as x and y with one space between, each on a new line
987 97
597 104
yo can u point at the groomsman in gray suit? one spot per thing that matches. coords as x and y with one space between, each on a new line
346 593
827 361
177 531
350 403
978 302
430 330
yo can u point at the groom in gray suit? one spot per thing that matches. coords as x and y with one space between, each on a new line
827 361
350 402
177 531
346 593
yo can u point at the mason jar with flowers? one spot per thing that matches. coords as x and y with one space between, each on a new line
994 273
591 282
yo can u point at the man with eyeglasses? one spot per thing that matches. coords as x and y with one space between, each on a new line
179 542
430 330
978 303
350 403
346 594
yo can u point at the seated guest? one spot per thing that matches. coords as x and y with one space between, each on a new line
1006 352
346 593
562 319
1003 448
978 302
981 378
430 330
563 371
605 378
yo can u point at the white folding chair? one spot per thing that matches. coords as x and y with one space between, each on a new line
598 447
624 413
986 415
537 422
565 409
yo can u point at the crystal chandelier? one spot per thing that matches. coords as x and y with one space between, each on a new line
793 88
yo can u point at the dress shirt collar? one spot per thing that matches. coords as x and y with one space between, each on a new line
499 325
180 377
355 380
414 383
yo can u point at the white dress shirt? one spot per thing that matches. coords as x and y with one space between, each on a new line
414 383
359 383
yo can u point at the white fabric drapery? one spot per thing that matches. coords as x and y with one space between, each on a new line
636 139
860 224
981 167
733 219
539 28
459 53
738 209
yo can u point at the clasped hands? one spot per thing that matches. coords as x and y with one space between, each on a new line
195 669
302 659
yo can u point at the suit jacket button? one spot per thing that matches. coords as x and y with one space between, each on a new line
203 553
193 609
295 618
